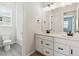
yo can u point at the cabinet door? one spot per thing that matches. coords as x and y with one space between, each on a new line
74 51
39 43
61 48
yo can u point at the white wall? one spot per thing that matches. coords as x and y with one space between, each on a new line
77 22
57 20
58 17
6 29
32 12
45 20
70 7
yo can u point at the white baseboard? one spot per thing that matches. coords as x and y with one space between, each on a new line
30 53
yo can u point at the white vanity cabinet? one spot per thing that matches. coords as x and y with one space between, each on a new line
66 47
44 44
57 46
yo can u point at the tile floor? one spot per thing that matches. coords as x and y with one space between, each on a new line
16 50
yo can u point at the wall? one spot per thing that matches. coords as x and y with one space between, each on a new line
77 17
32 12
58 19
70 7
6 29
45 20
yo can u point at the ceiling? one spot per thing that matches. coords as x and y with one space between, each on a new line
53 5
44 4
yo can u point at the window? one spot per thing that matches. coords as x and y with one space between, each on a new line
65 24
5 17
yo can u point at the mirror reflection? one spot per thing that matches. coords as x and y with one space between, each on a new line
69 24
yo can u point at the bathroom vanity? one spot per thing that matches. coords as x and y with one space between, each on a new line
64 20
57 44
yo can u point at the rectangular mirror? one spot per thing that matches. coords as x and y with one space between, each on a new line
69 23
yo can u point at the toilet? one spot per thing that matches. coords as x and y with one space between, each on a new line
6 42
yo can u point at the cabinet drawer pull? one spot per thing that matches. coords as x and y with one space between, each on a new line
60 48
47 44
47 52
71 51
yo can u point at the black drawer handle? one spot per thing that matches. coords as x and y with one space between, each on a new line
60 48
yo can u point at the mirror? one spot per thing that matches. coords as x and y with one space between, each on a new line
70 18
69 23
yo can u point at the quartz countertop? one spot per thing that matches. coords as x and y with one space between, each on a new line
61 35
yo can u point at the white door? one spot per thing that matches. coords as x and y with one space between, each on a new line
19 22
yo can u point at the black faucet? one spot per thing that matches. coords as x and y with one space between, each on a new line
70 34
47 31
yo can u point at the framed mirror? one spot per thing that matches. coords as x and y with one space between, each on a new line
69 23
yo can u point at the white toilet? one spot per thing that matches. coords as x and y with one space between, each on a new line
6 42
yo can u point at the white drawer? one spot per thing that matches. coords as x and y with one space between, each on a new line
48 44
45 37
48 52
58 54
61 48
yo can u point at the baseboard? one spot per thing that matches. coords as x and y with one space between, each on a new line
30 53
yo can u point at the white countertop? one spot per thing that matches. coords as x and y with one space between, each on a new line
61 35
